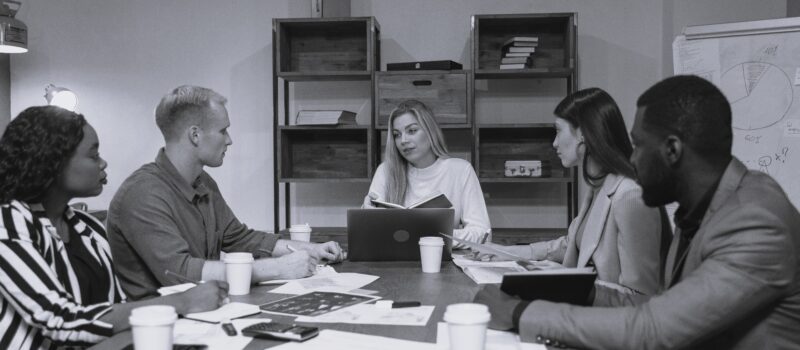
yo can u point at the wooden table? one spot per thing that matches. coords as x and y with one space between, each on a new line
398 281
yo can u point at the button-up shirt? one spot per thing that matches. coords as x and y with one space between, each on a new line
157 221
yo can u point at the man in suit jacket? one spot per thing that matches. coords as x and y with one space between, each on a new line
732 275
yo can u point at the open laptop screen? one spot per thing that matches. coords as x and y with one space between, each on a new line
393 234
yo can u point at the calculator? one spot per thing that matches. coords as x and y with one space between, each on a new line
274 330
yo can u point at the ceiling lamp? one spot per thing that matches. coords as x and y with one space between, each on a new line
61 97
13 33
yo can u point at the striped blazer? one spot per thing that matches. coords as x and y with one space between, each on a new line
40 297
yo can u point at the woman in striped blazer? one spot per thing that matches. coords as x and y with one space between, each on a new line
57 281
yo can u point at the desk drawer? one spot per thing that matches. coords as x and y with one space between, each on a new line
445 93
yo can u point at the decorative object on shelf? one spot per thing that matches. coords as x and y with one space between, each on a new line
61 97
424 65
13 32
328 117
523 168
330 8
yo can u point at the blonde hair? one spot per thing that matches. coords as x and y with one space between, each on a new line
185 105
396 164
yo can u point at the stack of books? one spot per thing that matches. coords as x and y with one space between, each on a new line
331 117
517 52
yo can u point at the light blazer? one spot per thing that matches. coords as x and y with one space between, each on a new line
739 288
622 236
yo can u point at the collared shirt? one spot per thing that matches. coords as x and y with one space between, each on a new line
41 303
157 221
687 222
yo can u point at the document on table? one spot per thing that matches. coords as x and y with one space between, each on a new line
321 271
370 314
189 332
495 340
340 282
228 311
483 272
175 288
329 339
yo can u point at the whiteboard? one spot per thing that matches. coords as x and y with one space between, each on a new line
757 66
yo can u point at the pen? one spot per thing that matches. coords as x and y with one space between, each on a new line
401 304
485 237
181 278
291 249
228 327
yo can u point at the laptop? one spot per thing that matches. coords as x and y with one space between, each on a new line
393 234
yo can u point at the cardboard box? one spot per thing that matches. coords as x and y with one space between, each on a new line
523 168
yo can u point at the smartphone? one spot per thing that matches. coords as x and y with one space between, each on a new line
274 330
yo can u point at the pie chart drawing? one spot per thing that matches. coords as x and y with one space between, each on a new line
760 94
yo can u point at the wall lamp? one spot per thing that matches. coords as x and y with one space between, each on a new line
13 33
61 97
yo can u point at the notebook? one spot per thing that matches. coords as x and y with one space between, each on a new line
393 235
568 285
228 311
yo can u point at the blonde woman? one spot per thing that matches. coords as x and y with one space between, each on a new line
417 165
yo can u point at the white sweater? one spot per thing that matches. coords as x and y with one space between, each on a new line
455 178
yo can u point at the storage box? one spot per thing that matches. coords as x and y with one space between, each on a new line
445 94
523 168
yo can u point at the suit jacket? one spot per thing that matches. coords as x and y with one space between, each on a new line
622 237
739 288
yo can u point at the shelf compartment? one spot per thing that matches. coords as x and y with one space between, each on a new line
322 47
443 92
497 144
323 154
459 142
556 47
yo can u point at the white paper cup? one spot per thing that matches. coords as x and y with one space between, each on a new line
430 253
467 324
152 327
300 232
238 271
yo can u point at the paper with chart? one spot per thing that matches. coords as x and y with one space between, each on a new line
339 282
760 76
371 314
329 339
315 303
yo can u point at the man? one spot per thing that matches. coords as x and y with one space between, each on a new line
732 279
170 214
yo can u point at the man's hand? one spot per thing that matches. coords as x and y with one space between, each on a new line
203 297
328 251
501 306
298 264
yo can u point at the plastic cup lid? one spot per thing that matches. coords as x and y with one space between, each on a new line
238 258
153 315
431 240
300 228
467 313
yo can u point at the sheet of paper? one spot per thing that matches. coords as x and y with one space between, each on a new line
189 332
175 289
315 303
337 340
370 314
495 340
228 311
483 272
340 282
322 271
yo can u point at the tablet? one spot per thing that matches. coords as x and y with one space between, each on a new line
569 285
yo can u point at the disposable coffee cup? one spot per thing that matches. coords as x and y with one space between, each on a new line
466 324
300 232
238 271
430 253
152 327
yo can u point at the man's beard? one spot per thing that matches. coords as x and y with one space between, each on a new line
659 187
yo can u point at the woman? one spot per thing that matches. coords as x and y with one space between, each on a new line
614 230
416 166
56 275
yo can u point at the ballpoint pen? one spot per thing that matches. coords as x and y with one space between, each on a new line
291 249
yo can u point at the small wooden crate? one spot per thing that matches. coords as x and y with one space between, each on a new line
323 153
443 92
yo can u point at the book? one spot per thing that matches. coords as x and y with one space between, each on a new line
526 59
530 39
514 66
521 43
325 117
528 49
567 285
517 54
438 200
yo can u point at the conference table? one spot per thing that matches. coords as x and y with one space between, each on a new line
400 281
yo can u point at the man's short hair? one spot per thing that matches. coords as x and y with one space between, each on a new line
185 105
691 108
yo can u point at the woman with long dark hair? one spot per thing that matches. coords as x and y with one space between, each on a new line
614 230
57 281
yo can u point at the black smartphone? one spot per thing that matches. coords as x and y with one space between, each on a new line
274 330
